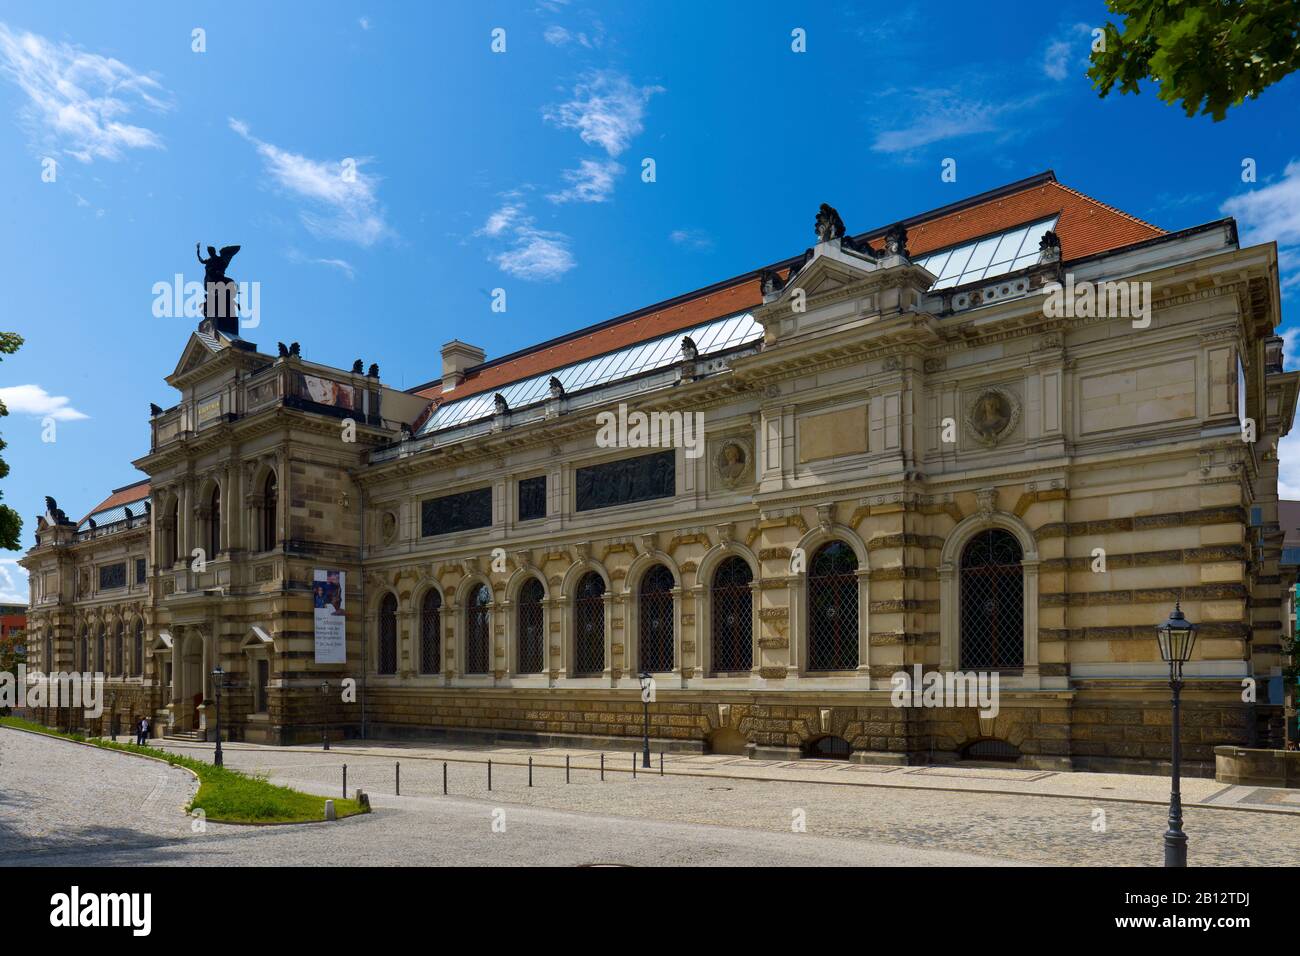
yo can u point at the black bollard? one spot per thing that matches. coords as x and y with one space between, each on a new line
566 768
634 766
489 776
530 771
399 778
444 778
345 781
602 768
661 763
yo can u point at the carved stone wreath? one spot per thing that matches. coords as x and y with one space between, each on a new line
992 416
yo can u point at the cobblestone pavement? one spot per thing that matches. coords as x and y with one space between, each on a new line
62 804
1053 830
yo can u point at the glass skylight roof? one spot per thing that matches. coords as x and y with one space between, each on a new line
987 258
114 515
710 338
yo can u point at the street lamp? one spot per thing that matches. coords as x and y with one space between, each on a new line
217 675
1177 637
647 685
325 715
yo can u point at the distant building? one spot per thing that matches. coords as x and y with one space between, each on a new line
13 617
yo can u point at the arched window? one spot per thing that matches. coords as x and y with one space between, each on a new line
388 635
214 523
431 633
992 602
99 650
270 500
589 625
733 634
655 624
478 630
531 630
833 609
82 655
137 652
117 650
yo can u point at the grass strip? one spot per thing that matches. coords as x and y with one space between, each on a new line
224 796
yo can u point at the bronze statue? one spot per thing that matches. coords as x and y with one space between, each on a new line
214 267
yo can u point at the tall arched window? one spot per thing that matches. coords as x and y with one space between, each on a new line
214 523
732 611
992 602
270 501
833 608
174 538
388 635
118 667
589 625
655 620
137 651
99 650
431 633
478 630
531 630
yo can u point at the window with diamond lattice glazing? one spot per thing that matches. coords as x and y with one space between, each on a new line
732 625
833 608
655 626
992 602
589 625
478 630
530 622
431 633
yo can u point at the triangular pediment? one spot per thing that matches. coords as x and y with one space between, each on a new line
829 270
198 350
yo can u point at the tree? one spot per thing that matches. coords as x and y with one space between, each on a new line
1210 54
11 524
12 653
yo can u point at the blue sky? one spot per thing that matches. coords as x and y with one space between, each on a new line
520 170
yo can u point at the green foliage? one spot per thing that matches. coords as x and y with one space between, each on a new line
225 796
10 658
1208 54
11 525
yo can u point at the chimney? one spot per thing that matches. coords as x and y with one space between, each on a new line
456 358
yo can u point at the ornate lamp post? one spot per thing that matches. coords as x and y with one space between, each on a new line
325 715
647 686
217 676
1177 637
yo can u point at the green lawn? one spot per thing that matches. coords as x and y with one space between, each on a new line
225 796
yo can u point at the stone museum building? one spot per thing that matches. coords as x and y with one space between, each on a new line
1004 437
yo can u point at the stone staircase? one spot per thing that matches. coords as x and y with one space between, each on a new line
194 736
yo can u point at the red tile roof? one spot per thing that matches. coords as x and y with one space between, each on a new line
1086 227
121 496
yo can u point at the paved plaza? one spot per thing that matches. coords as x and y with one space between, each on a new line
62 803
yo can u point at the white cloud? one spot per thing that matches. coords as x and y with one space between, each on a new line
592 181
78 102
559 36
364 23
533 254
341 197
1057 59
1272 213
13 582
691 238
340 264
942 114
606 109
35 401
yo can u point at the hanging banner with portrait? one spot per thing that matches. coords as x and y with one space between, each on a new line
327 591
